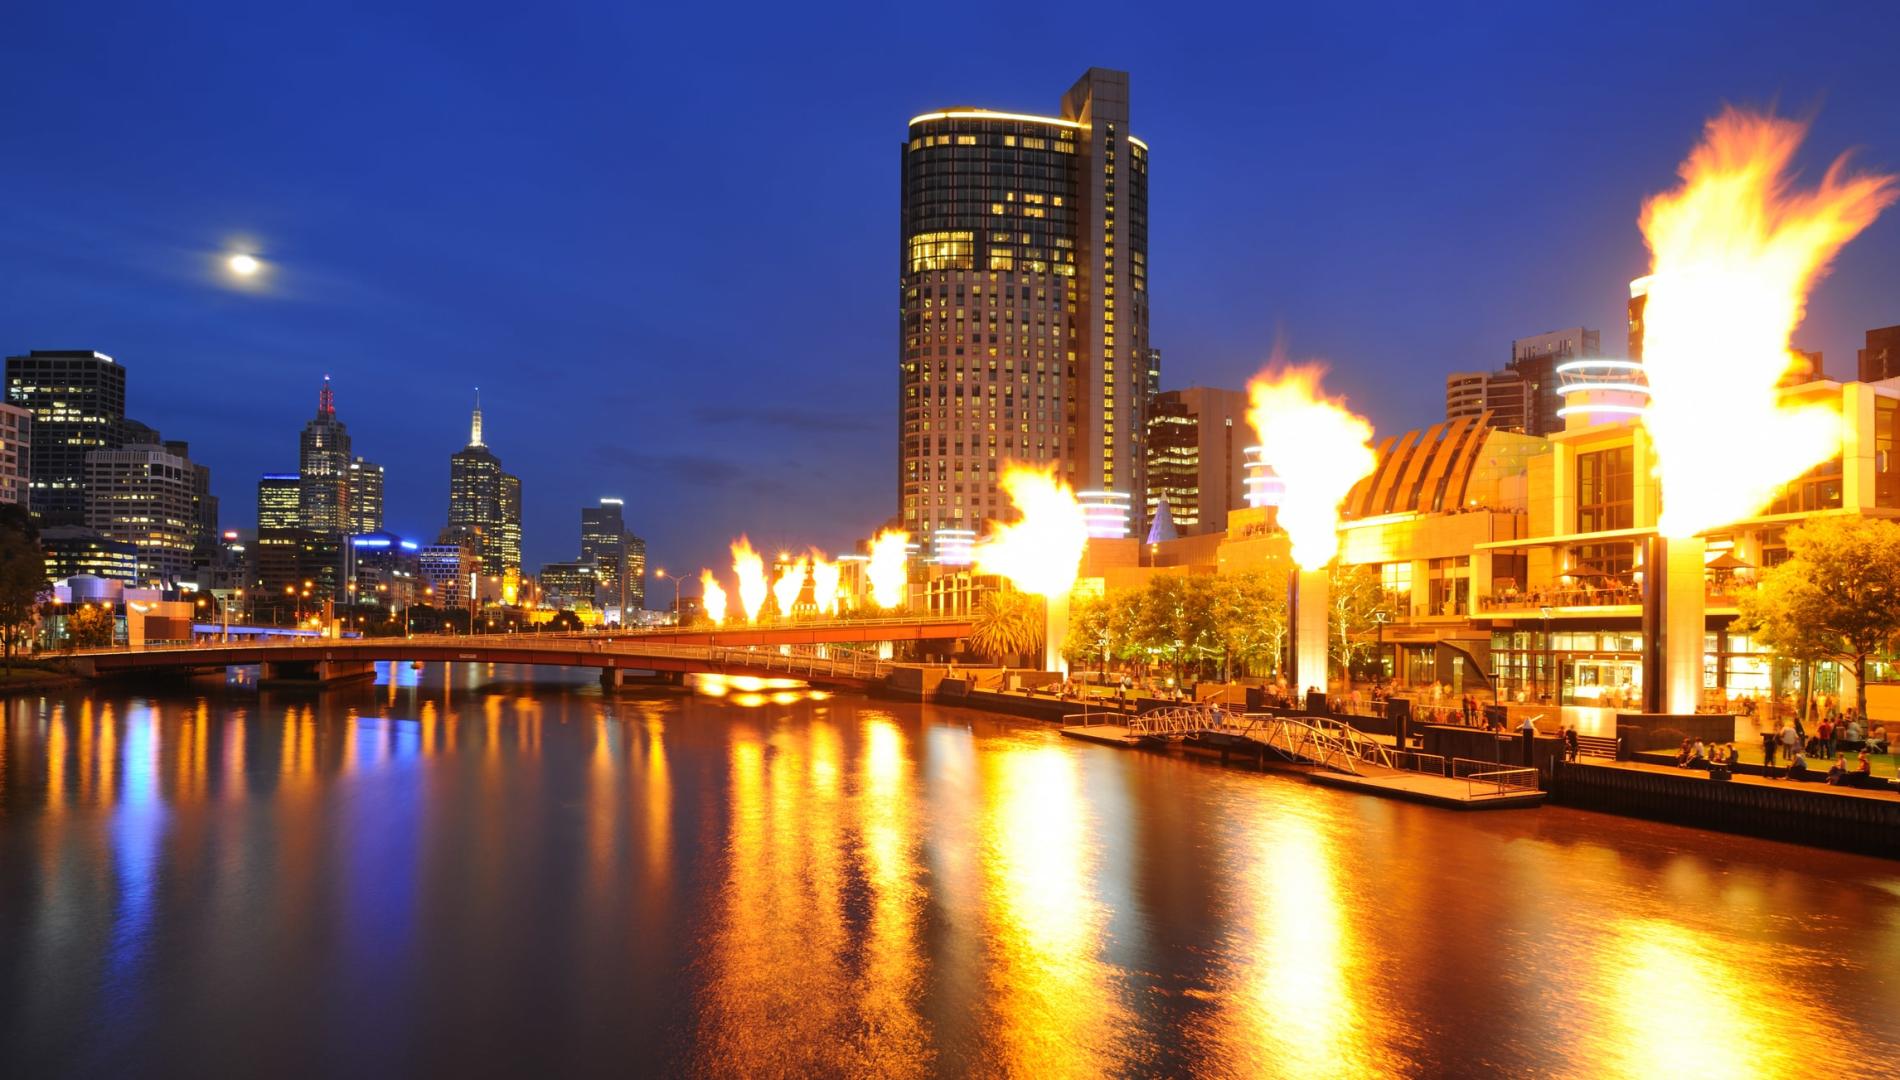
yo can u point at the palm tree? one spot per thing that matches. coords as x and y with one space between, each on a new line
1007 626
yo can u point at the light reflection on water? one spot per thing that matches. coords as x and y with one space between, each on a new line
470 871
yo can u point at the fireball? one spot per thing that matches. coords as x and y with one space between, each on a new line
750 570
712 598
1734 251
790 583
1319 449
824 583
1040 552
888 571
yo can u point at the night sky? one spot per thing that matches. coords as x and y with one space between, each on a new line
664 241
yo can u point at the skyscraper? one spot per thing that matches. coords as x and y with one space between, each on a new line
1023 286
16 455
484 504
365 497
204 506
77 398
144 496
1497 396
1535 360
323 464
1197 442
604 543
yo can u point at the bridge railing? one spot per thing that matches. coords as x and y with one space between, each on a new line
1492 778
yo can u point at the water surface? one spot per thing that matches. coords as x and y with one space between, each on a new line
474 872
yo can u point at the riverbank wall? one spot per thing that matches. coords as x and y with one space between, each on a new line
1826 817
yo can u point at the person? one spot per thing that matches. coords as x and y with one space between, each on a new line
1863 770
1791 740
1877 741
1837 773
1700 753
1570 744
1798 767
1684 754
1769 740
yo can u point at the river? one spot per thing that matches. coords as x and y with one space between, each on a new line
478 871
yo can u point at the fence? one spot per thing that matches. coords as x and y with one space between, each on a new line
1488 777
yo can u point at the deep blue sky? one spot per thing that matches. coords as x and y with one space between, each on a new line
663 241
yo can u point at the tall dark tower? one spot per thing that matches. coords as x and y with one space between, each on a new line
323 468
484 503
77 398
1023 291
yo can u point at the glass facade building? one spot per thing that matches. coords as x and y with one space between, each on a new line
484 505
1023 298
77 398
323 462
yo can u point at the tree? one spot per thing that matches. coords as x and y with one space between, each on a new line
1249 620
1008 626
1356 597
90 626
1836 597
22 583
564 621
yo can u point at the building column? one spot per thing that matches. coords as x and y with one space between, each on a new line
1858 490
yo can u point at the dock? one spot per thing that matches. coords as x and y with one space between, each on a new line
1323 752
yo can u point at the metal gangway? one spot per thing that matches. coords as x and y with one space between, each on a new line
1181 721
1316 740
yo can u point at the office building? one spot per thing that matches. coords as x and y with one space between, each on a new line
204 506
384 570
74 551
278 496
1881 358
143 495
446 570
1023 290
571 586
77 399
1196 458
636 579
296 570
323 468
604 546
1498 396
16 455
365 497
484 505
1536 360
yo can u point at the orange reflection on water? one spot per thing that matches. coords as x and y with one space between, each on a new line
56 762
1053 1010
892 966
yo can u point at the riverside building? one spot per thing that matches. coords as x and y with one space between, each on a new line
77 398
1023 298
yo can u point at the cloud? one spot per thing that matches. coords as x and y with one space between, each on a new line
698 470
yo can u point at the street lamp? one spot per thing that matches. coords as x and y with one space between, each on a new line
661 573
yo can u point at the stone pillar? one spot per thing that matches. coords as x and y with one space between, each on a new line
610 678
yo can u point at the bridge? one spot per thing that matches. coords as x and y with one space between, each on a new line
813 652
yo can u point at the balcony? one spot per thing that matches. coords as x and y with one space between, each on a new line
1610 594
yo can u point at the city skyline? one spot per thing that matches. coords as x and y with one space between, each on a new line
1280 182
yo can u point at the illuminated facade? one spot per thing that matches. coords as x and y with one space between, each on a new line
610 548
484 505
1023 297
74 550
323 464
77 398
365 496
1196 458
278 495
143 496
573 586
1496 395
16 455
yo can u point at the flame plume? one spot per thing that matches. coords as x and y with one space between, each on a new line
1734 252
712 598
750 570
824 583
888 572
790 583
1040 553
1319 448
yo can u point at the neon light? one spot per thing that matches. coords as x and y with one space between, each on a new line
409 545
1617 365
985 114
1594 407
1137 142
1607 387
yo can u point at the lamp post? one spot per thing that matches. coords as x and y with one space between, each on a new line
1550 676
660 572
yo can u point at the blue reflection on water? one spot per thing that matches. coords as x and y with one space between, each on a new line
136 829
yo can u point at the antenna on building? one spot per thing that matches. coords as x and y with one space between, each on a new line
326 399
475 428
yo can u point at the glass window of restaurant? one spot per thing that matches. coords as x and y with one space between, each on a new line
1395 578
1450 584
1605 490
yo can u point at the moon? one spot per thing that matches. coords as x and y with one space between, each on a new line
243 265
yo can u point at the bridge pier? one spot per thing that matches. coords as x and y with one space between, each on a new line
612 678
313 672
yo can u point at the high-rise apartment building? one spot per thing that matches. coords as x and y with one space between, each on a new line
77 398
16 455
636 577
365 497
204 506
484 505
278 497
1023 288
323 464
604 545
1881 358
143 495
1197 460
1497 395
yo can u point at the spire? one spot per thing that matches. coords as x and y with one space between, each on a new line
1163 528
475 428
326 399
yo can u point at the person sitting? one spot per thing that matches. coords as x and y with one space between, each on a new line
1837 773
1699 754
1684 754
1798 768
1877 741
